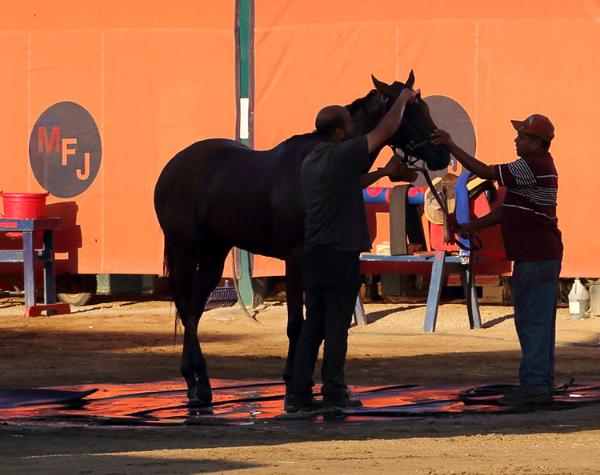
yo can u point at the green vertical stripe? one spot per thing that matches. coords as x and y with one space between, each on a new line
244 45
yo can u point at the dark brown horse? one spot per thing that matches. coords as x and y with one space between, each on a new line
217 194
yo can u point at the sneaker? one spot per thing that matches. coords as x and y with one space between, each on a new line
518 397
344 401
293 404
341 403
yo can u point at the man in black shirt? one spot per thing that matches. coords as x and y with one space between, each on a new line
333 176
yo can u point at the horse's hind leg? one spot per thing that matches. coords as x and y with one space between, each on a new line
196 272
293 275
193 365
183 262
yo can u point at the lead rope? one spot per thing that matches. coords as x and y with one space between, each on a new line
235 272
475 242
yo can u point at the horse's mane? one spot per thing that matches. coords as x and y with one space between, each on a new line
295 141
352 108
306 135
359 103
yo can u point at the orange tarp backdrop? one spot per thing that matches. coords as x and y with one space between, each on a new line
499 60
156 76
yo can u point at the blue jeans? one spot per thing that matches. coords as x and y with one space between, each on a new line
534 290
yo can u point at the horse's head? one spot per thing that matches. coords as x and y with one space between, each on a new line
414 134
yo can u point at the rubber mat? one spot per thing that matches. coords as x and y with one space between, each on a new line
40 397
163 403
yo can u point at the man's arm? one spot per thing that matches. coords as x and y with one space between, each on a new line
369 178
493 217
489 172
391 168
391 121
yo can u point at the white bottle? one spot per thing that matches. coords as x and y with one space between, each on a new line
579 301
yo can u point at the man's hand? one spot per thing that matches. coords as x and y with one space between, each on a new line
441 137
397 170
391 121
461 230
463 233
407 95
393 166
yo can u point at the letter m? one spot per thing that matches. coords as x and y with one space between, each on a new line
46 144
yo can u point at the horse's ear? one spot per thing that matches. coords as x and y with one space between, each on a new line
410 82
382 88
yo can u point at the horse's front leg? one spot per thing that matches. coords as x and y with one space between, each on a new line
293 276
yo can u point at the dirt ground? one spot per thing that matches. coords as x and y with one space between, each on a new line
132 341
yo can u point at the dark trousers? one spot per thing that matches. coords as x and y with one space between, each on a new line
534 290
330 280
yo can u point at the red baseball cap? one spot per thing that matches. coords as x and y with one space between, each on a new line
536 124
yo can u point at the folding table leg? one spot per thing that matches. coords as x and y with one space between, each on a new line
435 290
49 281
470 291
28 268
359 316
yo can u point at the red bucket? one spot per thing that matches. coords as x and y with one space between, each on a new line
24 205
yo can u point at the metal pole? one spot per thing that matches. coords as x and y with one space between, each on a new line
244 48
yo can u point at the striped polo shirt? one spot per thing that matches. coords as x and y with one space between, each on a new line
529 223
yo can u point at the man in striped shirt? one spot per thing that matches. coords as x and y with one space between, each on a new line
533 241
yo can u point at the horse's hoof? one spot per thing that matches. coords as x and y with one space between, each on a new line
200 411
198 402
197 397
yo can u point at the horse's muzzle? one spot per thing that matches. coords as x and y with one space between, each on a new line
437 157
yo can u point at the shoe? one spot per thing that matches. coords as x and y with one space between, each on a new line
341 403
345 400
518 397
293 404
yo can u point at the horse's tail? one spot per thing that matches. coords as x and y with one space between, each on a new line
168 263
165 269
